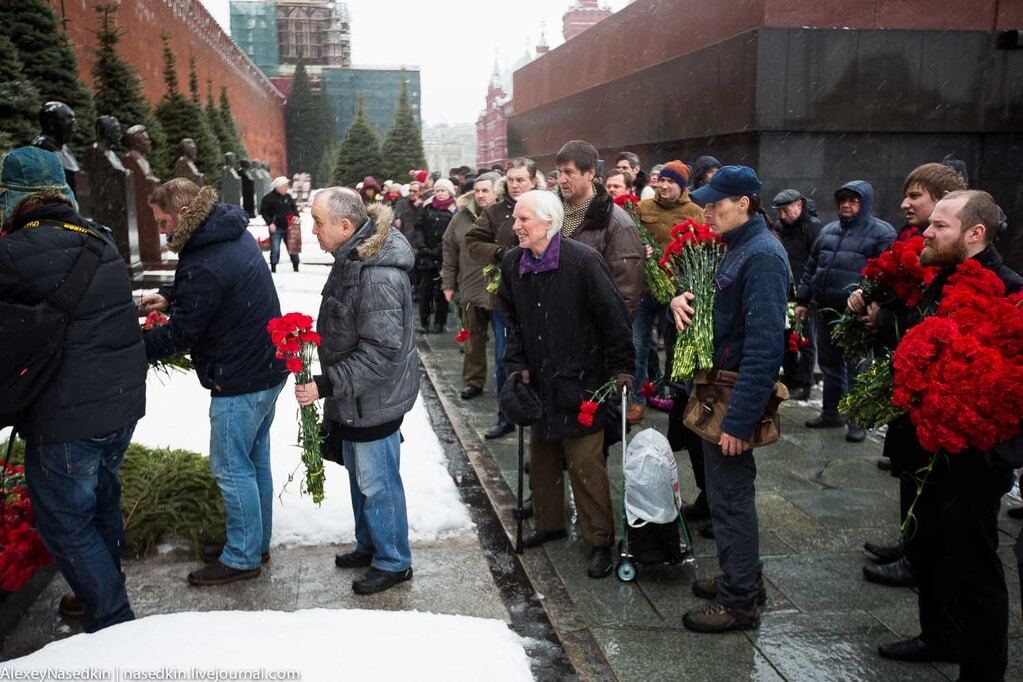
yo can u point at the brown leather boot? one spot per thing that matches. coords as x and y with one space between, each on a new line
70 606
636 412
716 617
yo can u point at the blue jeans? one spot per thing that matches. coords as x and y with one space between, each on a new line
648 314
240 461
378 501
76 502
275 247
500 375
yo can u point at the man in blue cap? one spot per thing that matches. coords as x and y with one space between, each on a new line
749 325
77 430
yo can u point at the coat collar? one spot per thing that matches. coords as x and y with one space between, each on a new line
195 215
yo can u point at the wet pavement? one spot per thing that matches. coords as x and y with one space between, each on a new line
818 498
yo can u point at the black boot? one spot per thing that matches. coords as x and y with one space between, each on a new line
294 265
916 650
600 563
884 553
539 537
273 267
220 574
825 421
698 510
352 560
376 580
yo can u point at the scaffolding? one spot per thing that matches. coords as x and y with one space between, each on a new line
254 29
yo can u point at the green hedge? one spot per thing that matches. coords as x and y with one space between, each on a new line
164 494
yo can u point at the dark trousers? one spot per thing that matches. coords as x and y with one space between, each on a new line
839 371
955 553
431 299
798 367
680 436
275 247
731 494
474 363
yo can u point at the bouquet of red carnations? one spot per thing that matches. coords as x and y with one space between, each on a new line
588 408
894 277
296 342
21 549
693 257
657 280
180 362
959 373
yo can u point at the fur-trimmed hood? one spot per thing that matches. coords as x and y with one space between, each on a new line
205 221
467 202
379 244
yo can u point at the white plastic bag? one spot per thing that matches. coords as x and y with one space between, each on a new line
651 480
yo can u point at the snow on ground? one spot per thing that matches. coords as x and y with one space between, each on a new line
177 415
319 645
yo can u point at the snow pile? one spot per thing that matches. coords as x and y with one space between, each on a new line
318 645
177 416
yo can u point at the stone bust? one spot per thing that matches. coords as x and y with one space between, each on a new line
185 166
139 146
58 123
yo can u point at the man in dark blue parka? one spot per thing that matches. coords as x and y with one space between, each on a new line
222 298
831 273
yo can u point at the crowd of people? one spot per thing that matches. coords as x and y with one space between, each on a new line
550 267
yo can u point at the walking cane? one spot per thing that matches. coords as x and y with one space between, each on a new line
518 510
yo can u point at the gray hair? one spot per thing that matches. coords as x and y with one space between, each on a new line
491 177
343 203
547 208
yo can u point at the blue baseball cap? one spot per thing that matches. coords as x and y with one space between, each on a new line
27 170
729 181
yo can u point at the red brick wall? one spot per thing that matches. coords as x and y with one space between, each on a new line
256 104
649 32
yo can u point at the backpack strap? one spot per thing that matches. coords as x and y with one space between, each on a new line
71 289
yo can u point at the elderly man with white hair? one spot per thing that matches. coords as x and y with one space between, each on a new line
279 211
568 334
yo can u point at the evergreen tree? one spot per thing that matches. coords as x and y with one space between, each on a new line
359 153
118 89
47 60
215 122
403 147
193 80
324 175
229 127
310 127
210 157
19 100
181 118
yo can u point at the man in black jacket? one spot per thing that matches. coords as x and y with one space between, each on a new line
955 544
568 334
831 273
798 230
277 208
78 429
222 298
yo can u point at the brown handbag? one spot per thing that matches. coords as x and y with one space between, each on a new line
708 405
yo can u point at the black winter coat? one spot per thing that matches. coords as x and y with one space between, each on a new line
276 209
837 258
570 328
428 238
798 240
101 384
221 300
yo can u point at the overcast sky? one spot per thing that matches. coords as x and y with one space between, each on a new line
454 49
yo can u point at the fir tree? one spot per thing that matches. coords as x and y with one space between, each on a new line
403 148
48 61
324 175
229 126
193 80
216 122
309 127
181 118
359 153
19 100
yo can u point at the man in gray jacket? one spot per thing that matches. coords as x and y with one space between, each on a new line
371 374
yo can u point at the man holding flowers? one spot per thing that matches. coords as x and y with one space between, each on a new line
222 298
749 309
370 374
955 404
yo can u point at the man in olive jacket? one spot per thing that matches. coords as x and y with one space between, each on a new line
370 374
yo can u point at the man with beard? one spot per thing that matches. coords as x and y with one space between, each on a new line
955 546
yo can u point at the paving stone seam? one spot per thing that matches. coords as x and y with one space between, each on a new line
577 639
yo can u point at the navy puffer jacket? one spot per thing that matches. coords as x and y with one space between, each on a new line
222 298
833 269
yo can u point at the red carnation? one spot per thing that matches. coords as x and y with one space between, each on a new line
648 390
294 365
627 201
155 319
588 407
585 418
463 335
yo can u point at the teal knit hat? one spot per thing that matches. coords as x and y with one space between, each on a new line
27 170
